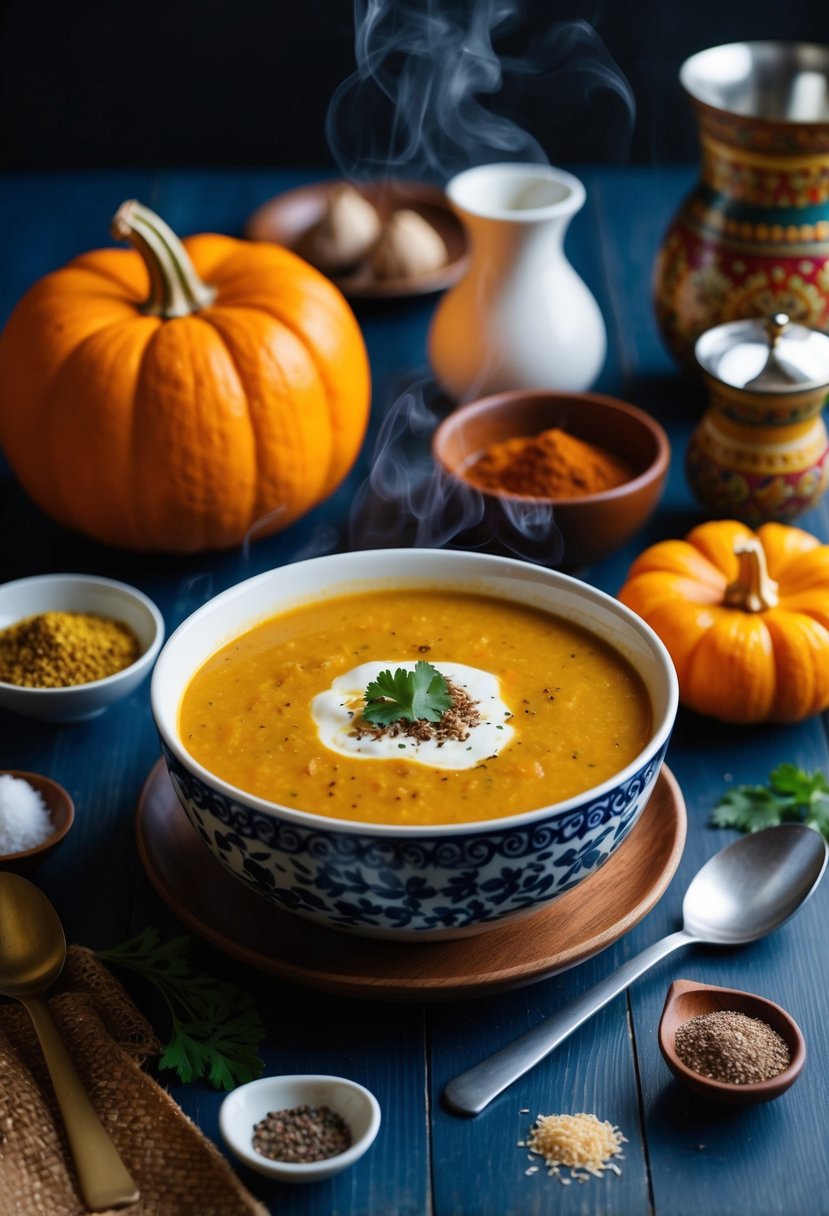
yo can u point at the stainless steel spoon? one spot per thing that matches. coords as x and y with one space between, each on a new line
32 954
742 893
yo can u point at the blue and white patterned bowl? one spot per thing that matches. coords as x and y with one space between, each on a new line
411 883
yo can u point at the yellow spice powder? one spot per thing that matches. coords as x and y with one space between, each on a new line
58 649
582 1143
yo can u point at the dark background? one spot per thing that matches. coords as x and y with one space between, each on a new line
247 82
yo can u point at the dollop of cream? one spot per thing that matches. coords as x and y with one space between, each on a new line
335 710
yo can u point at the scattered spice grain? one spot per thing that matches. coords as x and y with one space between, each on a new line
60 649
732 1047
302 1134
581 1143
550 465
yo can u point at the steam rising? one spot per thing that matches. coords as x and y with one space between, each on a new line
576 72
408 500
416 108
413 106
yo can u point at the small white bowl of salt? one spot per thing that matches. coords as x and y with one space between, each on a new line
35 815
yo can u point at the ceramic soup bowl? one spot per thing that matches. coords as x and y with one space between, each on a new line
413 882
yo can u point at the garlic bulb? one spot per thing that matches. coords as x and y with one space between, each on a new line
346 232
408 245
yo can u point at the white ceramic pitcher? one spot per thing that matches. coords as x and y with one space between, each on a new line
521 317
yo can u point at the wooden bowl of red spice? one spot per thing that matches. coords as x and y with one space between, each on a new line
562 478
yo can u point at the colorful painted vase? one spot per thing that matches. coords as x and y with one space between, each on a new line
753 236
761 451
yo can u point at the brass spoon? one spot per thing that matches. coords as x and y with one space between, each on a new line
32 954
686 1000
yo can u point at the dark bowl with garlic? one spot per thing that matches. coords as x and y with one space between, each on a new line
386 240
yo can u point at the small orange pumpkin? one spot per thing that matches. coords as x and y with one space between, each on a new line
744 616
183 420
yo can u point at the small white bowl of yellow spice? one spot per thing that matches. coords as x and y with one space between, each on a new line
72 644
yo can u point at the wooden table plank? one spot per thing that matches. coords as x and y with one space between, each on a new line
592 1072
379 1046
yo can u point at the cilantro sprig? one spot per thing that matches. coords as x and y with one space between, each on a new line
791 796
215 1028
407 695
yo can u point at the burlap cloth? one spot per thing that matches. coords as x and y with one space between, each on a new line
179 1171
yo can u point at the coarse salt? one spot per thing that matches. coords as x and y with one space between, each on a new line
24 816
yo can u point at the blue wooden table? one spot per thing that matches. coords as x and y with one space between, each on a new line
683 1157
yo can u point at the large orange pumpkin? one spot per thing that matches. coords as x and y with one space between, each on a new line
233 398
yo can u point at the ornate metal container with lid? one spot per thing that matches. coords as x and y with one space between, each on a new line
761 451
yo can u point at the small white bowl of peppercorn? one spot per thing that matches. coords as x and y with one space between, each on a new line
72 644
300 1128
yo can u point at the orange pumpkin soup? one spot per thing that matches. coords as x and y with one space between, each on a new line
543 710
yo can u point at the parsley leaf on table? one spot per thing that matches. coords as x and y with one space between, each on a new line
215 1028
410 695
791 796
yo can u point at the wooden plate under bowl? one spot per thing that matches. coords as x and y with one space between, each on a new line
237 920
285 220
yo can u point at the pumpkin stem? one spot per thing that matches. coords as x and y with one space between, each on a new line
753 590
175 288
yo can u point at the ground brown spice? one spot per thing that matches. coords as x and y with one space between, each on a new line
550 465
59 649
732 1047
455 723
301 1134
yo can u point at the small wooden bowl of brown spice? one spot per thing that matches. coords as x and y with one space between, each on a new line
729 1045
563 479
